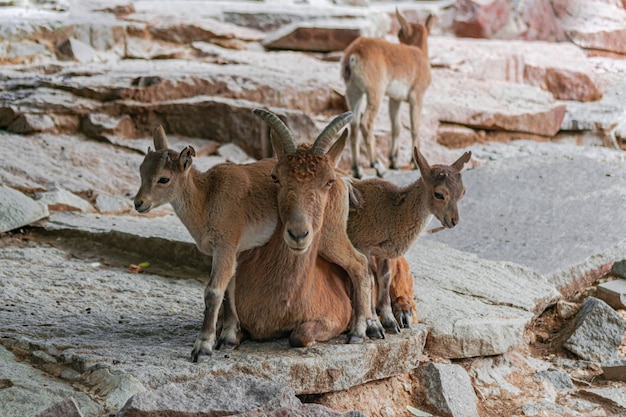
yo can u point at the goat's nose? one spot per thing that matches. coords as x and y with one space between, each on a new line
138 203
297 236
455 221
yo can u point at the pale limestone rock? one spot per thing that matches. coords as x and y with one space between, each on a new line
17 210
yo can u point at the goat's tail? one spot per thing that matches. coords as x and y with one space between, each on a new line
346 68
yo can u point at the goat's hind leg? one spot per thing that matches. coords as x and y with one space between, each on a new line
231 331
354 99
394 115
374 101
383 302
307 333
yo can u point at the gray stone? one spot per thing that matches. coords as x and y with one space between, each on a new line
27 391
65 408
597 331
615 396
559 379
318 36
112 204
551 181
60 199
211 396
560 68
234 153
17 210
68 162
29 123
615 370
493 105
619 268
594 24
305 410
71 48
449 389
566 309
126 333
544 408
613 293
474 307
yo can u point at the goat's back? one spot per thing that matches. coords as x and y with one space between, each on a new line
377 59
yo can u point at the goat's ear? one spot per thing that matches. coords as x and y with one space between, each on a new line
404 25
430 22
458 164
159 138
421 162
276 143
185 158
335 151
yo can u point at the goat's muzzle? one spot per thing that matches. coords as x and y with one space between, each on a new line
141 208
297 240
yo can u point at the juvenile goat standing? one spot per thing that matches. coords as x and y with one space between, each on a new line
227 209
373 68
388 218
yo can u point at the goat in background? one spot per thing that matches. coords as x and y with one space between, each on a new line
373 68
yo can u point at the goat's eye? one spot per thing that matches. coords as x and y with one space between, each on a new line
439 196
275 179
330 182
163 180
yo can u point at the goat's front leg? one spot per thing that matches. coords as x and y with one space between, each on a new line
383 302
222 271
229 337
394 113
337 248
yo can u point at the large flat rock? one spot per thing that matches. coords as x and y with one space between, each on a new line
116 333
472 306
556 209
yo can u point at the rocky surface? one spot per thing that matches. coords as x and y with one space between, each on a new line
100 306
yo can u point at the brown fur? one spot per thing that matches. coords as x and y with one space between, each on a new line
372 68
388 218
313 213
209 204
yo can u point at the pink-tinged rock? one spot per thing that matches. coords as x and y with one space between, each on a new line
317 36
494 105
183 30
65 408
594 24
560 68
539 21
613 293
480 18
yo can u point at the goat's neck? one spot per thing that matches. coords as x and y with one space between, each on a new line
417 202
191 201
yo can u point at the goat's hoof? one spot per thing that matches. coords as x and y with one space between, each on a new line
393 162
357 172
404 319
201 347
225 345
375 330
353 338
391 325
380 170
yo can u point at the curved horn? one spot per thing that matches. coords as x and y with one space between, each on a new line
284 136
159 138
322 143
